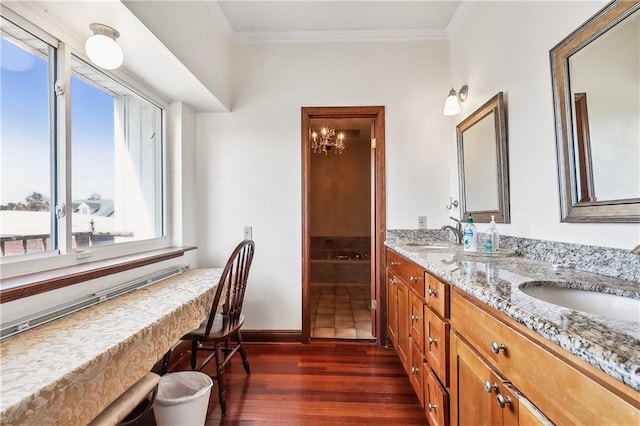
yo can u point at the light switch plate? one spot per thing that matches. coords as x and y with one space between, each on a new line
248 231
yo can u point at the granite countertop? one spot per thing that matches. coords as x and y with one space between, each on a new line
611 345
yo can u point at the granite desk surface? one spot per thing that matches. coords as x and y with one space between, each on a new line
613 346
67 371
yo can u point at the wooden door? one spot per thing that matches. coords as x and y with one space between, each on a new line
378 213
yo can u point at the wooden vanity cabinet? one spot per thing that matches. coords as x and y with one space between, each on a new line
471 364
564 388
481 396
418 311
403 277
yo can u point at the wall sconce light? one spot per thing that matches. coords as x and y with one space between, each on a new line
452 104
102 47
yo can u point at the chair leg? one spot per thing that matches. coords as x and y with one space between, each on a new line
245 361
194 354
220 372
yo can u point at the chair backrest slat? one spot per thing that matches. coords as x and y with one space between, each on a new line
232 285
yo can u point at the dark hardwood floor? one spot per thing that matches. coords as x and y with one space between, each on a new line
319 383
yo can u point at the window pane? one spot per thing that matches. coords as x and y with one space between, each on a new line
25 145
116 167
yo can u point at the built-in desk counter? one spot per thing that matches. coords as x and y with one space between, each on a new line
67 371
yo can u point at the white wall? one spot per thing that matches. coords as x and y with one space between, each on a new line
181 178
504 46
249 161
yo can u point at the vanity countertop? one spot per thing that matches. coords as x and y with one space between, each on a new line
610 345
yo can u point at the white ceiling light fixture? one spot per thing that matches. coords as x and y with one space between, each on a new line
102 47
452 104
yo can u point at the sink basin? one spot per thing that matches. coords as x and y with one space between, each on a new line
609 305
430 245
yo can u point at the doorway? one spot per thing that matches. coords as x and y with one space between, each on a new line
343 221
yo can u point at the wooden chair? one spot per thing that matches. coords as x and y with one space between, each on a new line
225 318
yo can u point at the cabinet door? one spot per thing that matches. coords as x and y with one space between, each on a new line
524 413
416 319
416 370
403 325
392 307
436 345
436 400
472 405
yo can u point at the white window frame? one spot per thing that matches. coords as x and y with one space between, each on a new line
12 266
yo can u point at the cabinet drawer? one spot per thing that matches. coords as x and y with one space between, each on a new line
417 370
567 391
436 345
409 272
416 320
436 400
437 295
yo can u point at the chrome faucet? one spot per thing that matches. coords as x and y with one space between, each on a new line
636 249
457 230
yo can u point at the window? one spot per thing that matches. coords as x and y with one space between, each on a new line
116 161
25 144
102 167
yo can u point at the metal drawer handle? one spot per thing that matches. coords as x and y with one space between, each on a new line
395 263
414 279
431 406
502 401
488 387
432 293
393 281
414 317
431 340
496 348
414 370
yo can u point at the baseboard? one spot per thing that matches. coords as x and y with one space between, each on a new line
272 336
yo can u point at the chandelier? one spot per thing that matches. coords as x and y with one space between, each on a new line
324 142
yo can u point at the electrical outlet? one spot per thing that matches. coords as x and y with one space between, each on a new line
422 222
248 231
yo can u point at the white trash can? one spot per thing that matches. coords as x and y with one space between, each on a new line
182 399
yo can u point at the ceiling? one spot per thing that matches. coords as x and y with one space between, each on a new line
299 20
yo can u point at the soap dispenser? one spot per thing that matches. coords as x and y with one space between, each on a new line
492 241
469 235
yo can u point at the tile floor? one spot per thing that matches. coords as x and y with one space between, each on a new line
341 311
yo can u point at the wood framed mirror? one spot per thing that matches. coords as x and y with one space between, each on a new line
596 89
483 167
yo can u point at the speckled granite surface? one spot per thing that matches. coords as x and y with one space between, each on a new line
610 345
607 261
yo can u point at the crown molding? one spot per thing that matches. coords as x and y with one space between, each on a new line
337 36
221 18
459 16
